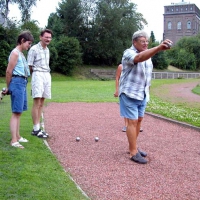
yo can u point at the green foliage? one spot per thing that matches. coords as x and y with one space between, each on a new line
71 14
55 24
191 45
111 33
23 5
182 59
103 28
33 28
7 42
53 55
159 60
69 56
4 48
185 54
152 37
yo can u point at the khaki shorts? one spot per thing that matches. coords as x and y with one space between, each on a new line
41 85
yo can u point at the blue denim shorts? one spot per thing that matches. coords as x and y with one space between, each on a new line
18 95
131 108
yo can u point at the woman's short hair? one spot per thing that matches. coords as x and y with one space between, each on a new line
139 34
25 36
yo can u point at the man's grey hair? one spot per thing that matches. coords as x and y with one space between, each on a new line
139 34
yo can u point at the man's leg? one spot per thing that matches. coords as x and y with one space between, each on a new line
35 111
36 115
132 132
139 125
132 136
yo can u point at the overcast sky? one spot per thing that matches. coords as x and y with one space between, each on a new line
152 11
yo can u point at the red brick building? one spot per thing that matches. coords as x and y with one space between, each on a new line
181 19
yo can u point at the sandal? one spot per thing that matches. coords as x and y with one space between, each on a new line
17 145
22 139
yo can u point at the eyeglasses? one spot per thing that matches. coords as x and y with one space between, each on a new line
50 38
143 41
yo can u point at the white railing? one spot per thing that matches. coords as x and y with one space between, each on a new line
174 75
109 73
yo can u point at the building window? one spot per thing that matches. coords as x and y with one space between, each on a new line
176 9
189 25
172 9
169 25
179 25
190 8
186 8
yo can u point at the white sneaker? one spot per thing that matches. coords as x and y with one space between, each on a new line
124 129
22 140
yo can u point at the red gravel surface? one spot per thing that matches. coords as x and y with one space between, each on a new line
103 169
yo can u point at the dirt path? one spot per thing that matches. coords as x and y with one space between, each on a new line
179 93
103 169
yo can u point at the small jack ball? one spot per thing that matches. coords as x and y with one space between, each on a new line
78 139
96 139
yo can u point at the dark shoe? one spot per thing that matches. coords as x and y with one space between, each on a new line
142 153
39 133
141 129
138 159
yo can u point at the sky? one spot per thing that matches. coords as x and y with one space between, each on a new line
152 11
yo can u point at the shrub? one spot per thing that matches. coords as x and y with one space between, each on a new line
69 55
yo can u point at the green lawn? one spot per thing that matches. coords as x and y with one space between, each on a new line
35 173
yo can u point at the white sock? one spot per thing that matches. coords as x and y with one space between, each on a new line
36 127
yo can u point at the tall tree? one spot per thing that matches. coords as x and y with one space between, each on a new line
114 24
23 5
152 37
71 15
103 27
55 24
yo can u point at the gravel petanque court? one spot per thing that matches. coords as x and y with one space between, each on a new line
103 169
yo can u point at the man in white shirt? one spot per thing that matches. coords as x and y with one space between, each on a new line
38 61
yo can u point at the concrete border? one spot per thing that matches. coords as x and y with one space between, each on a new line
173 121
78 187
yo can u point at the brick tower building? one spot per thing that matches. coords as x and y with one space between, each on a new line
181 19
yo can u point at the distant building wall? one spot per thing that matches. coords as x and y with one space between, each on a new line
181 19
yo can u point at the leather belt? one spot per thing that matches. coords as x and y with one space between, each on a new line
24 77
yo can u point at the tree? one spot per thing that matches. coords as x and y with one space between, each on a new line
68 52
191 45
111 31
23 5
152 37
56 25
71 15
181 58
33 27
159 60
103 27
8 37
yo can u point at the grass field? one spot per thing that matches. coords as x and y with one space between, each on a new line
34 173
